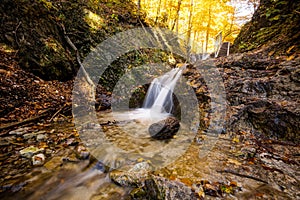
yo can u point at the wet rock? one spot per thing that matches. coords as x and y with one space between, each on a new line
33 134
38 160
156 187
262 95
82 152
40 137
162 188
212 190
19 131
164 129
248 151
131 175
149 186
28 152
53 163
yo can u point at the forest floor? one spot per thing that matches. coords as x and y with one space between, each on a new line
36 133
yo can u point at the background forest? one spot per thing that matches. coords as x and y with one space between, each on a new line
199 21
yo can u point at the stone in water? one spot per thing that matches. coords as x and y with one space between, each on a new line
164 129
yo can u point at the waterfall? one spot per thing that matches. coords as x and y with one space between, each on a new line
159 97
158 103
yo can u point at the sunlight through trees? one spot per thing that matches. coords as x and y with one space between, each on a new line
200 20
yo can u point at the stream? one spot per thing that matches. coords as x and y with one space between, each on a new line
56 161
230 164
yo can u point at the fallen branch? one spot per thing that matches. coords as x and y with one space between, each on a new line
296 11
15 33
280 142
57 112
241 175
87 77
26 121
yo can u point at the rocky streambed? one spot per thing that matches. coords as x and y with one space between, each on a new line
255 156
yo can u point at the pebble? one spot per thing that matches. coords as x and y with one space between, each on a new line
82 152
29 135
19 131
33 134
38 160
40 137
249 151
199 190
49 151
71 142
28 152
4 142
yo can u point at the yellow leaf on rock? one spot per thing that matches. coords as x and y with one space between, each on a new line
201 193
233 183
234 161
289 49
271 53
172 177
290 57
186 181
236 140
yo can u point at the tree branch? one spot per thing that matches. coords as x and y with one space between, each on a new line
15 33
87 77
241 175
26 121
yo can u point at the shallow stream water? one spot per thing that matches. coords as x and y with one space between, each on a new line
63 176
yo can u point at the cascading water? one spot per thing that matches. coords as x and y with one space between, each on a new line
159 97
158 103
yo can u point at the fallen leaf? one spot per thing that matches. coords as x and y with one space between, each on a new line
234 161
236 140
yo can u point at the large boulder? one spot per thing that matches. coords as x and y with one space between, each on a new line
133 175
164 129
148 186
161 188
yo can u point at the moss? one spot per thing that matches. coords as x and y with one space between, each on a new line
137 193
274 25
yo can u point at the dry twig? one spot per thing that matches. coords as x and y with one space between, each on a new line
241 175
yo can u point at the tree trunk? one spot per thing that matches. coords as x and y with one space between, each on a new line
138 7
190 23
177 17
170 13
208 28
231 26
158 12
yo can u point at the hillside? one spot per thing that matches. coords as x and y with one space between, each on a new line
39 30
274 26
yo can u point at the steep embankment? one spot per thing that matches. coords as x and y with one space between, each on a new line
263 84
275 25
35 29
34 48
